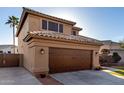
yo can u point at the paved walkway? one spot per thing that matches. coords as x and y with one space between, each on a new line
17 76
88 77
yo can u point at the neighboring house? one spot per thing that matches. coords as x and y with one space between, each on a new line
113 47
52 44
8 49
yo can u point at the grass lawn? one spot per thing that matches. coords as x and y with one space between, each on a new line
118 72
119 67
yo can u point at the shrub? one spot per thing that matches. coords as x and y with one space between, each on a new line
116 58
105 60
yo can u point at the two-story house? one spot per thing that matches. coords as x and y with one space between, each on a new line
50 44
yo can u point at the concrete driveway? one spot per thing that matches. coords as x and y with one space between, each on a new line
88 77
17 76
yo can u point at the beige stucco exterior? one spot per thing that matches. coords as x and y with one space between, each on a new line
35 24
41 62
36 62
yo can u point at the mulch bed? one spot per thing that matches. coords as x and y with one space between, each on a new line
49 81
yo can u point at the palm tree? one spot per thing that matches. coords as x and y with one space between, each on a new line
13 22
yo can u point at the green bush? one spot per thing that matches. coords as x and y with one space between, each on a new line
116 58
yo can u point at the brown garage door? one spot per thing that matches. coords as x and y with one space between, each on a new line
63 60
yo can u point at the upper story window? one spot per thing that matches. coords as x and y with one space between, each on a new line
9 52
73 32
52 26
44 24
61 28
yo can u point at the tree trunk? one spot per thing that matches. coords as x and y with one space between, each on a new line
14 38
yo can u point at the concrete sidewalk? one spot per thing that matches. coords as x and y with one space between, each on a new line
17 76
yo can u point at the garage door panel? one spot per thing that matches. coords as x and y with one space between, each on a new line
62 60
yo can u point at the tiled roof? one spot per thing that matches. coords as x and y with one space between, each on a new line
121 49
77 28
61 36
48 16
110 42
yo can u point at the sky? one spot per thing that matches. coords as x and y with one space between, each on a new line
103 23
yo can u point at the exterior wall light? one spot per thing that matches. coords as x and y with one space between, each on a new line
42 51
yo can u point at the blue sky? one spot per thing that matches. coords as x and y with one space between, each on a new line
100 23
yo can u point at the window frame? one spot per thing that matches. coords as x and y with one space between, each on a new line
46 24
53 24
59 28
47 28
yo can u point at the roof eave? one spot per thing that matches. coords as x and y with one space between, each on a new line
50 17
29 11
29 37
22 20
77 28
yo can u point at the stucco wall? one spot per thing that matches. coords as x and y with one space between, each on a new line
67 29
35 24
22 35
22 46
41 62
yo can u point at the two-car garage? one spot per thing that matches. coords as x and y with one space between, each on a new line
54 53
64 60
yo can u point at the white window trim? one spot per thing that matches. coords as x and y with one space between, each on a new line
48 25
41 24
58 27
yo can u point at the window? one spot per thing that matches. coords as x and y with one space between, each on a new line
53 26
44 24
60 28
9 52
1 52
73 32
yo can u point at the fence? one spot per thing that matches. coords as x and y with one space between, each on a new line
11 60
